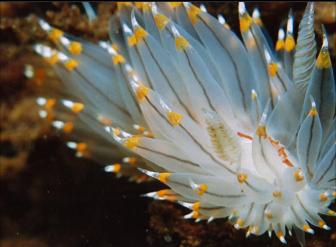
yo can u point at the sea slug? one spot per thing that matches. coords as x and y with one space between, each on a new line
236 129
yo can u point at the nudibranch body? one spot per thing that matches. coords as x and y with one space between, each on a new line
235 129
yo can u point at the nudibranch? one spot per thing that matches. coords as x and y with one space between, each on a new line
234 128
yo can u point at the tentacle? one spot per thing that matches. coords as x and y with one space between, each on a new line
305 51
